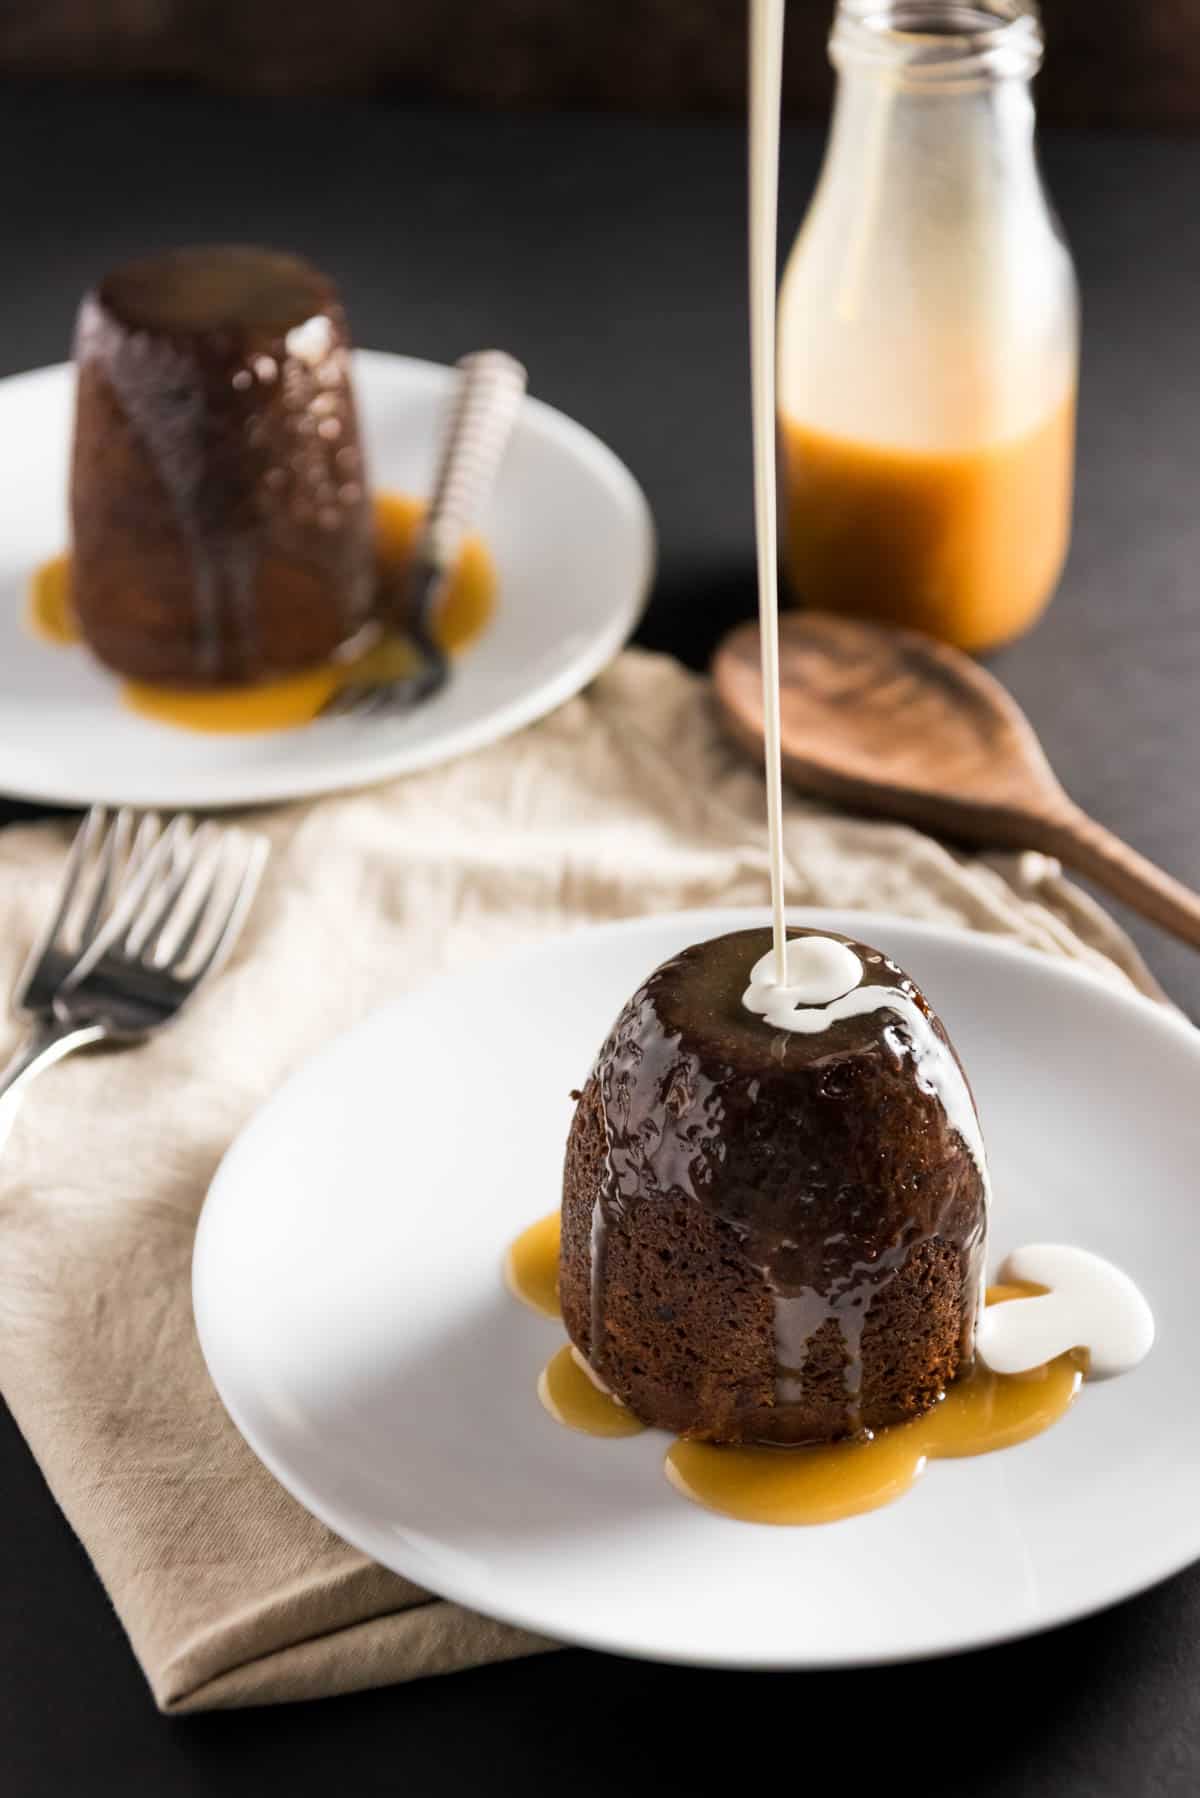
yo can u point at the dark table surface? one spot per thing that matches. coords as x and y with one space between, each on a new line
608 254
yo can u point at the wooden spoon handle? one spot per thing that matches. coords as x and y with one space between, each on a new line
1090 849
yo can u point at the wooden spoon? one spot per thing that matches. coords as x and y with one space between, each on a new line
891 722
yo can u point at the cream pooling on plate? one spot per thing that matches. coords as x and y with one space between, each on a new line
1090 1304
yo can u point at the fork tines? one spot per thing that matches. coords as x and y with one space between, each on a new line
105 853
183 904
168 897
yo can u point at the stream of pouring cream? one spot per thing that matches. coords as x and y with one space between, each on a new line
1093 1304
766 75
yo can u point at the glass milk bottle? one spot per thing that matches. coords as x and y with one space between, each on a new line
928 333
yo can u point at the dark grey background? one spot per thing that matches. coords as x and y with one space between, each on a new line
1108 62
608 254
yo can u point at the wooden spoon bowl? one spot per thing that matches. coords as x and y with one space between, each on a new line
892 722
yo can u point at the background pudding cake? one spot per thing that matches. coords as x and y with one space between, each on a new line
775 1198
222 526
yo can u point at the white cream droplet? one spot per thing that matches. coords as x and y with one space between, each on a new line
1091 1305
819 970
310 342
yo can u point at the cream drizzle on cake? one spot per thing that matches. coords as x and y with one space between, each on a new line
1089 1304
823 986
819 970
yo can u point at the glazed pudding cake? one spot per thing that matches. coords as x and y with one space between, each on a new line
775 1198
222 527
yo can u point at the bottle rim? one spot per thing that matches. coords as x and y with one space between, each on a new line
939 43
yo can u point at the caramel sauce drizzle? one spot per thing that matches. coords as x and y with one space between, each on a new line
977 1415
294 699
572 1395
531 1266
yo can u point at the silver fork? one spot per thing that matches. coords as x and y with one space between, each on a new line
476 434
104 855
138 927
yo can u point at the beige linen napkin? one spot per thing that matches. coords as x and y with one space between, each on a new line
625 801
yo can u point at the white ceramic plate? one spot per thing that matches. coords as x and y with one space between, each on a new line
349 1300
568 527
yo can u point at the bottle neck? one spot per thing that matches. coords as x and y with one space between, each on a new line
958 145
929 299
940 45
941 84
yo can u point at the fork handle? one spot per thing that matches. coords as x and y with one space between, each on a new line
486 404
45 1044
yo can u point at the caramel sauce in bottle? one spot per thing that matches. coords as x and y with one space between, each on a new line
928 334
295 699
977 1415
966 545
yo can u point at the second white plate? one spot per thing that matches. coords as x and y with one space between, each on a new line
568 528
350 1305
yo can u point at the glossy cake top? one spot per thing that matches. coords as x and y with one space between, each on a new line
699 996
815 1143
236 288
222 529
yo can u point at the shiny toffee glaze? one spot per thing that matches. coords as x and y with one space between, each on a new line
649 1080
294 699
207 352
801 1009
979 1414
